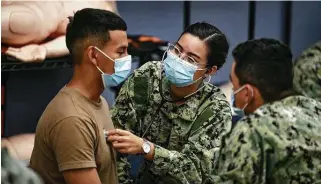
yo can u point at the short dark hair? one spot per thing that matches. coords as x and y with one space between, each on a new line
91 27
215 40
267 64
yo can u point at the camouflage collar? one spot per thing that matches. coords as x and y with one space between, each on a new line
187 110
295 101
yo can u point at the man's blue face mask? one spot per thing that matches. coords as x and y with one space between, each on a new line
122 68
237 112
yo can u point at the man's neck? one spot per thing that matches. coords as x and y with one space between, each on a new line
89 87
287 93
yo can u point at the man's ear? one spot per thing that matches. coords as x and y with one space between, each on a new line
250 90
212 70
92 55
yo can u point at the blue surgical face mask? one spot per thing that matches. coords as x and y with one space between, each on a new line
237 112
122 68
178 71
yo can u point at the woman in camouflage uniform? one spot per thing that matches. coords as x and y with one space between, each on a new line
170 113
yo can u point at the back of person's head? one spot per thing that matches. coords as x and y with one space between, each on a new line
90 27
267 65
215 40
307 72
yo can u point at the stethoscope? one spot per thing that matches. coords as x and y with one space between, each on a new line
164 99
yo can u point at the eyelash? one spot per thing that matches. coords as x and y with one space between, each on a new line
180 48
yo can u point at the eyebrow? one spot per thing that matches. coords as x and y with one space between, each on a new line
191 53
122 47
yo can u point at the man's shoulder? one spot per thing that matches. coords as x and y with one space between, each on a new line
297 104
283 124
60 107
62 103
289 112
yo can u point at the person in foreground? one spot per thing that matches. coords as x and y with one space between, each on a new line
279 140
13 172
169 112
70 145
307 72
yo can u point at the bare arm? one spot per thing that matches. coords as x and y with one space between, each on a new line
37 53
56 47
75 154
82 176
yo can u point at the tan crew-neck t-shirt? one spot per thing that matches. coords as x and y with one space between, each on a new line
70 136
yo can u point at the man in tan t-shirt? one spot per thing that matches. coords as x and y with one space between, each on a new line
70 144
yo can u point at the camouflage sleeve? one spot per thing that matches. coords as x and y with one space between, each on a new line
196 160
125 115
241 156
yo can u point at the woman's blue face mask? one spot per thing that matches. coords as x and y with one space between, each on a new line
178 71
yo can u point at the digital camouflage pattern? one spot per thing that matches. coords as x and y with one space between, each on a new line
279 143
307 72
187 137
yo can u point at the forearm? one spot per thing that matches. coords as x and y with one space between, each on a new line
183 166
56 47
197 159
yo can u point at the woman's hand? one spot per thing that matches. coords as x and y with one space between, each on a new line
125 142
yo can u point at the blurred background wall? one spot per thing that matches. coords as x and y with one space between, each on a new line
298 24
